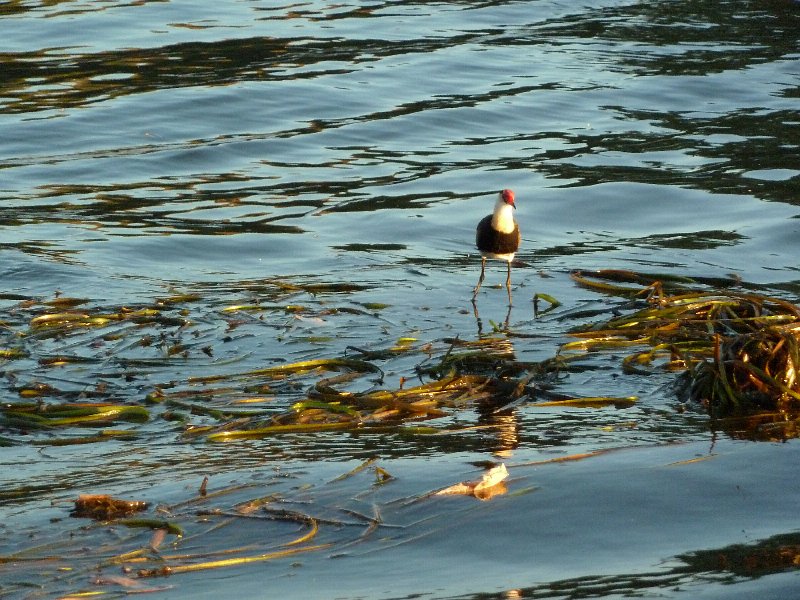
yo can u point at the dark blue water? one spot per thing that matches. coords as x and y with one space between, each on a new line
220 149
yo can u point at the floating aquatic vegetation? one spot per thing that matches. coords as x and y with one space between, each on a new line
483 355
739 352
220 529
328 409
11 353
103 507
63 322
103 436
667 322
590 402
314 394
551 301
609 281
750 372
317 364
88 414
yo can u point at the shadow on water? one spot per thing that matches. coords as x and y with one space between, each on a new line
723 167
704 568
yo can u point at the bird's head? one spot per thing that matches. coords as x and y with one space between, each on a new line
507 196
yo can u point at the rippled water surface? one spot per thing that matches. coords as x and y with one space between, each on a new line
328 162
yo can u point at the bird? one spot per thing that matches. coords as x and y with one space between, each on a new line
497 236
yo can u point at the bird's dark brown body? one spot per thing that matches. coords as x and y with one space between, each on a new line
493 243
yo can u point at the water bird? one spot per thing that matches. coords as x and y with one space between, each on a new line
497 236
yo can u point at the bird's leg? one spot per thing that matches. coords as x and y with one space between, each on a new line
477 316
480 280
508 283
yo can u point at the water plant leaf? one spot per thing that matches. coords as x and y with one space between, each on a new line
103 436
71 414
156 524
740 351
230 562
552 302
750 373
304 366
259 432
334 407
597 280
593 402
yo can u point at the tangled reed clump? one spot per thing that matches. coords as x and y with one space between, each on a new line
750 372
739 352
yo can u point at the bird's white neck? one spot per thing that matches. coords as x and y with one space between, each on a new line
503 217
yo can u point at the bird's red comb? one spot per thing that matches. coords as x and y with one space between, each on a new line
508 197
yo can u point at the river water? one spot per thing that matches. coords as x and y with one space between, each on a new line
230 150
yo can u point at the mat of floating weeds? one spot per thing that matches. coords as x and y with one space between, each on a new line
84 373
738 351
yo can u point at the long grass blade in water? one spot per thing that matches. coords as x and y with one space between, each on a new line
356 470
171 528
259 432
232 562
319 363
103 436
64 415
594 402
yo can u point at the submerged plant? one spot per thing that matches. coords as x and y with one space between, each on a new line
750 372
739 352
